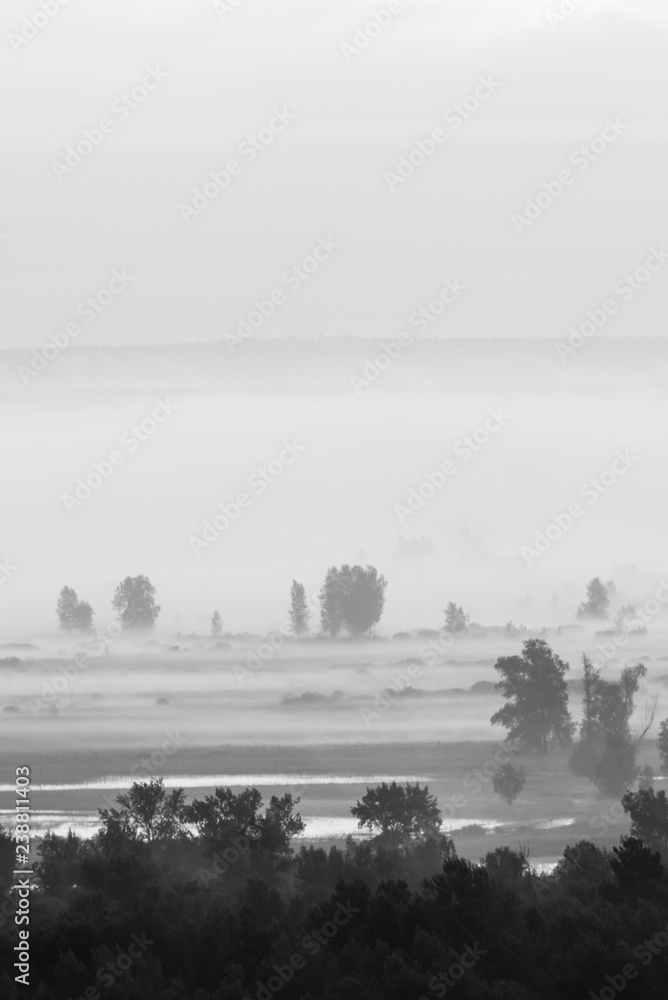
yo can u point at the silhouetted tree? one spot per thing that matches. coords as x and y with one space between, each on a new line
649 816
506 866
638 868
456 619
536 712
363 598
216 624
510 628
331 603
134 601
626 620
584 862
352 597
224 815
606 752
598 600
60 860
508 782
73 615
399 813
663 744
590 725
148 812
67 603
83 617
299 612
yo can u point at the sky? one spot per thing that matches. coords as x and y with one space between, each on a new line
361 173
555 83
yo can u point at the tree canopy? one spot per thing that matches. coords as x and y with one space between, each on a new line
352 597
73 615
598 600
536 713
134 602
399 813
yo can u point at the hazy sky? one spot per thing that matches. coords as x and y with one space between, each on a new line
156 95
324 174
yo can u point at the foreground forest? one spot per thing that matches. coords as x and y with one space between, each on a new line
207 901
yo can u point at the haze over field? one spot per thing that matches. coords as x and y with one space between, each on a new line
362 455
314 719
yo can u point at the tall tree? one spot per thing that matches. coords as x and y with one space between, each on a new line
536 713
216 624
66 608
134 602
74 615
638 868
456 619
331 603
508 782
352 597
364 598
299 612
663 744
598 600
83 617
589 727
606 752
649 816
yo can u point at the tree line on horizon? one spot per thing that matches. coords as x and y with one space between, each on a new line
351 600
